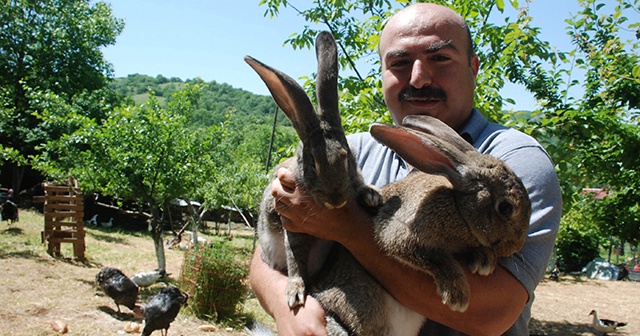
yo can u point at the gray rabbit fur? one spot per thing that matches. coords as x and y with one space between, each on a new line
324 166
456 204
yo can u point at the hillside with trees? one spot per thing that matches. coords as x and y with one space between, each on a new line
218 99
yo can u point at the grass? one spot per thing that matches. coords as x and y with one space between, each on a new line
39 289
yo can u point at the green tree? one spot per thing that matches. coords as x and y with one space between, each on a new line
243 152
50 46
598 133
143 153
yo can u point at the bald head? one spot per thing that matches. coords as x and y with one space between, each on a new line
420 18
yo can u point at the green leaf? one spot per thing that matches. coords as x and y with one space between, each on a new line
636 72
500 5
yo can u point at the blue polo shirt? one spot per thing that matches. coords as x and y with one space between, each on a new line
529 161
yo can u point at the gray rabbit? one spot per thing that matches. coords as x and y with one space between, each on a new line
457 203
323 165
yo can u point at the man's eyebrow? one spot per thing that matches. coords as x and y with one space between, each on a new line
395 54
432 48
437 46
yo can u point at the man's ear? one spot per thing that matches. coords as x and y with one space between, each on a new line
475 65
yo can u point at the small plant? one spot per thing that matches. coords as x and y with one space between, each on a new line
215 277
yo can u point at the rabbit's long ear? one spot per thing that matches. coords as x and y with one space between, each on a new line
290 96
327 79
434 126
420 150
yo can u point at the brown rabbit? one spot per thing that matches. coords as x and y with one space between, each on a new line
457 203
323 165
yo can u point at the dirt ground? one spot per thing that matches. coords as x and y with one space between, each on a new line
562 307
37 289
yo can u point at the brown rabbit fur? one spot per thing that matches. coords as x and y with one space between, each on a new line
323 166
458 203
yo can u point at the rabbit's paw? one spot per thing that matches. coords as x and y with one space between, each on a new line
455 294
295 292
370 197
482 261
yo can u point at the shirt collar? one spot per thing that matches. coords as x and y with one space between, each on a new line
474 126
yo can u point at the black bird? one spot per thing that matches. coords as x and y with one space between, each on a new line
119 287
163 309
9 212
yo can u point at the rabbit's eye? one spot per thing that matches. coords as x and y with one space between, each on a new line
505 208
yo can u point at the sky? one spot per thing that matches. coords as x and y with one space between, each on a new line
209 38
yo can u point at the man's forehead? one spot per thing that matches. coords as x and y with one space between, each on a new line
421 44
426 29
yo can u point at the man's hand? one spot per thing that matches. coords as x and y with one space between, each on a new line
303 320
300 213
269 286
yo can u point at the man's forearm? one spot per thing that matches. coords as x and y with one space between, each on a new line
496 300
265 280
269 286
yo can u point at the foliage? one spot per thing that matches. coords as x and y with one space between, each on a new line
578 238
575 249
218 99
53 47
215 278
142 153
244 173
597 135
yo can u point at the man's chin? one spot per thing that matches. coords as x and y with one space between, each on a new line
432 110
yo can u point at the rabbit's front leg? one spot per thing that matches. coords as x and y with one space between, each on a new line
298 250
481 260
451 282
370 198
305 257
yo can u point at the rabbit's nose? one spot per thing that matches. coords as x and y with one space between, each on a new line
332 206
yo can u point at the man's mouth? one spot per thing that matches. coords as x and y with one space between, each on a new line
426 95
422 100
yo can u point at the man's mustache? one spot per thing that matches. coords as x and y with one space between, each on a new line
427 92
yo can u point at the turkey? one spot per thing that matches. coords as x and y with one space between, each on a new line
605 326
119 287
163 309
9 211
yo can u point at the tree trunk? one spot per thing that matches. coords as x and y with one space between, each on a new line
17 176
156 233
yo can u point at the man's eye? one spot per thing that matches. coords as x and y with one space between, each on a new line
398 64
440 58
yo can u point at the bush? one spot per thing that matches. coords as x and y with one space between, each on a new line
575 249
215 277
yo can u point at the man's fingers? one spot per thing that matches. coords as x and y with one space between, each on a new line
281 206
287 179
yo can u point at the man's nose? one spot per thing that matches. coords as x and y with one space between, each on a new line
420 75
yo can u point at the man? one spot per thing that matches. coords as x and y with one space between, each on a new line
428 67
